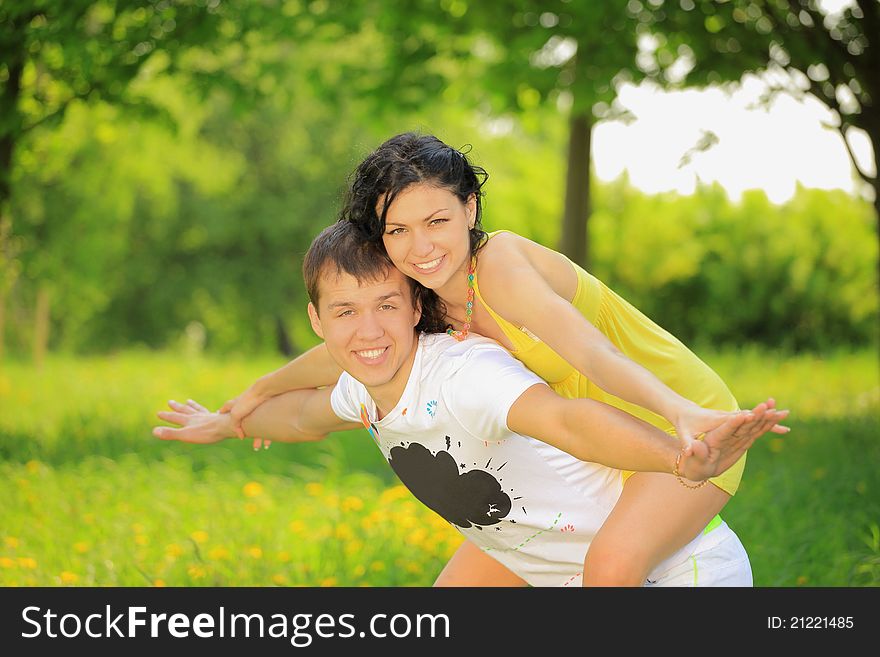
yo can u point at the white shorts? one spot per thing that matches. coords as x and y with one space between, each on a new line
717 559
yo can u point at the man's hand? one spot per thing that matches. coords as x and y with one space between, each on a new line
197 424
724 445
242 406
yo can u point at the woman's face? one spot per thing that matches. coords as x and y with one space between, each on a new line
426 233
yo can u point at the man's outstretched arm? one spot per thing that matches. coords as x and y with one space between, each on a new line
592 431
296 416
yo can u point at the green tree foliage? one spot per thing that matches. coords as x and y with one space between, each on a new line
715 272
514 56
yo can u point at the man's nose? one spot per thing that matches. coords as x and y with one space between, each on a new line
370 328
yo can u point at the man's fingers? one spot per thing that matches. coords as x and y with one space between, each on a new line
181 408
197 406
167 433
173 417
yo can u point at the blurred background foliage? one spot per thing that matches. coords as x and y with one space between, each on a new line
166 163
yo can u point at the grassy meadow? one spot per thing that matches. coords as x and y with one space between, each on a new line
91 498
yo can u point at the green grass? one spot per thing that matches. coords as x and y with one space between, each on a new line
90 498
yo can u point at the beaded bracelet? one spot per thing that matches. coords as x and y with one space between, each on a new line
679 477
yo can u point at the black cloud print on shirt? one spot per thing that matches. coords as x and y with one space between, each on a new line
471 498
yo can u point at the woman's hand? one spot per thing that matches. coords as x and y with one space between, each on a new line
693 420
242 406
722 446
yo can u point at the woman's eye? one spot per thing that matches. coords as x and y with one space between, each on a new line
435 222
395 231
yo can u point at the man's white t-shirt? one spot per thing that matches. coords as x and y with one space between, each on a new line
529 505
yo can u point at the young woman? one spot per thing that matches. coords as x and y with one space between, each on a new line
421 199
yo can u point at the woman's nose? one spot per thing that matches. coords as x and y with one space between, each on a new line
422 244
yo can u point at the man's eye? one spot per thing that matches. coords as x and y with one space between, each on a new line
386 306
346 313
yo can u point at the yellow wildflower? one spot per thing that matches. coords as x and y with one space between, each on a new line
32 466
377 566
329 581
255 551
314 488
417 536
252 489
11 541
27 562
6 562
81 546
393 493
199 536
279 579
296 526
218 553
159 583
344 532
173 550
68 577
352 503
196 572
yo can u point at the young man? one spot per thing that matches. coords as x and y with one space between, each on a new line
477 437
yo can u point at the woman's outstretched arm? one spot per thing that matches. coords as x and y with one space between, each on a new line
540 308
312 369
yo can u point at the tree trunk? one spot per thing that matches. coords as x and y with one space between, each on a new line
3 297
574 241
285 344
41 325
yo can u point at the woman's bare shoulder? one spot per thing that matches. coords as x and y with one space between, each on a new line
507 251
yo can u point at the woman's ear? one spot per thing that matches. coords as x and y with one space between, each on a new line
471 211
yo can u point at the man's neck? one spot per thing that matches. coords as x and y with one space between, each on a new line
387 395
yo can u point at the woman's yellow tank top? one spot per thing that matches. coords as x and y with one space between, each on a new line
642 341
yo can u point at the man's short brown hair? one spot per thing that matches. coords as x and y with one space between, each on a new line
341 248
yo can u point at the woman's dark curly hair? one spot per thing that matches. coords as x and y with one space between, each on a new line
408 159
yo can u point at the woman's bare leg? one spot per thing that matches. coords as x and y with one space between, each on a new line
470 566
654 517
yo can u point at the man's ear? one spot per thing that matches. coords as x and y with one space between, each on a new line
315 320
417 311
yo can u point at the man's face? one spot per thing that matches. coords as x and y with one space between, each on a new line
368 326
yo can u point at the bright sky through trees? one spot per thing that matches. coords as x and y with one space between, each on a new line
768 148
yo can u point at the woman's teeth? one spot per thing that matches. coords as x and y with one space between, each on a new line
429 265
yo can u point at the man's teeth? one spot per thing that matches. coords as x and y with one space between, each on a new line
371 353
430 265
